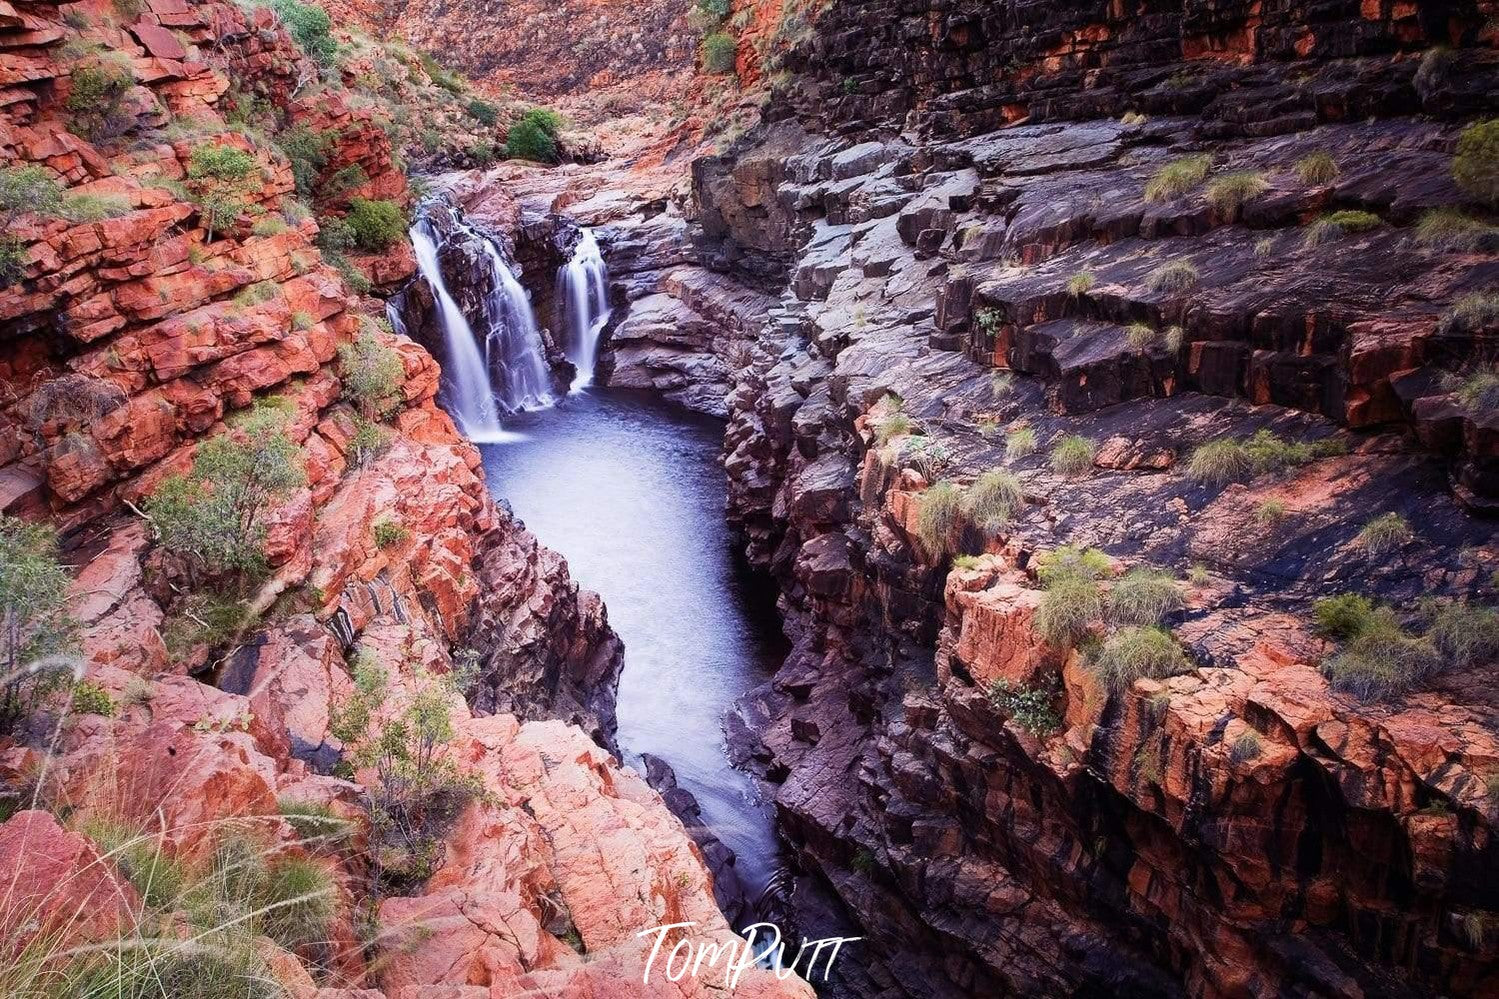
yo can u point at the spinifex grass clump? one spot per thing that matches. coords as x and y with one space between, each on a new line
1137 653
1073 599
1474 313
1384 533
1224 460
1455 231
1019 443
939 519
1229 192
1073 456
993 500
1143 596
1178 177
1380 659
1336 225
1317 167
1171 277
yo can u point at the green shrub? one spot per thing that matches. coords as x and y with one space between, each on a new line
268 227
927 455
483 112
718 9
1080 284
1339 224
307 150
205 620
1451 230
993 500
25 189
89 698
439 75
344 180
1229 192
1138 653
369 442
372 373
1073 456
1178 177
1173 276
1248 746
720 50
222 163
1466 635
1029 707
389 533
211 518
1476 165
938 519
310 27
1143 596
1019 443
97 90
1317 167
1269 512
527 140
257 294
1198 576
217 177
33 605
1474 313
1343 616
376 224
546 119
1384 533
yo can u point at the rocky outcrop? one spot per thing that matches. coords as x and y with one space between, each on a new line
956 189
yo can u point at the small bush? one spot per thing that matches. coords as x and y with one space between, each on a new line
268 227
91 699
1343 616
527 140
1339 224
98 88
33 605
369 442
1028 707
376 224
310 27
1474 313
1222 461
1143 596
205 620
1384 533
1080 284
94 207
1466 635
307 150
1246 747
1317 167
388 533
1171 277
224 163
1228 193
1138 653
483 112
546 119
927 455
1198 576
1073 456
1133 118
1178 177
939 518
372 373
211 518
1475 168
1451 230
993 500
720 50
1020 443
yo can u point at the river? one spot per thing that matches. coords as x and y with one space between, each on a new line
630 490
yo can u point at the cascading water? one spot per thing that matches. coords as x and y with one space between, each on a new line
583 302
469 399
504 369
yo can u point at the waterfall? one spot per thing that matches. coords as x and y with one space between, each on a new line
583 305
467 394
500 366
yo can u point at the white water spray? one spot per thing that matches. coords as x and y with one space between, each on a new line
583 303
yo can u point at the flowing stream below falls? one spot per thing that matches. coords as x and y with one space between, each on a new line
630 490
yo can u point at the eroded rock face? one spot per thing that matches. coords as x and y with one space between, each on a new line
1237 830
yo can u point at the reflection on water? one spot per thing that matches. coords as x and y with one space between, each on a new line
631 492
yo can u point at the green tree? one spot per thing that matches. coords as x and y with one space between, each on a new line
217 177
34 622
528 140
211 518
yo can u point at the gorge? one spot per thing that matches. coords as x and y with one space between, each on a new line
1035 461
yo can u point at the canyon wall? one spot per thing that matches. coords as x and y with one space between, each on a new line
170 312
951 201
